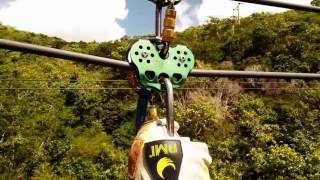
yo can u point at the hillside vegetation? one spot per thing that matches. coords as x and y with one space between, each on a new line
64 122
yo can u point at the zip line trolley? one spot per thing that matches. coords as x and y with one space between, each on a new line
158 152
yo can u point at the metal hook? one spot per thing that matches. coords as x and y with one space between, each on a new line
158 26
170 112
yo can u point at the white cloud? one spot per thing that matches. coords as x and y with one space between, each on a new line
72 20
224 8
191 15
187 15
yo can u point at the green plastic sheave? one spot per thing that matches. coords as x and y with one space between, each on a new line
151 67
164 3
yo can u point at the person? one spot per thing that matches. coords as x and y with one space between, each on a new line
155 155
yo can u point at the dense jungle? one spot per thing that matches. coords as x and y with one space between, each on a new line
65 120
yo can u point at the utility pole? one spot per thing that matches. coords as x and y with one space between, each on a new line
236 17
238 12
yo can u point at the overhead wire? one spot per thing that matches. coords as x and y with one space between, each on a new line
128 88
289 5
119 80
191 85
79 57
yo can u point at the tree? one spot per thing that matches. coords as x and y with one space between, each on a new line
257 121
315 2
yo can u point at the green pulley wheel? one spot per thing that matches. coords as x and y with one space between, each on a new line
151 67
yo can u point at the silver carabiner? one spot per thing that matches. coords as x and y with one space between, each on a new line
169 101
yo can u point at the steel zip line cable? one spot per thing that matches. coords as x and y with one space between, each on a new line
287 5
125 81
254 74
58 53
79 57
132 89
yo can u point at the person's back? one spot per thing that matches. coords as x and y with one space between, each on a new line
154 155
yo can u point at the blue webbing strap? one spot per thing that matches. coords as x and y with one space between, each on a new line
142 105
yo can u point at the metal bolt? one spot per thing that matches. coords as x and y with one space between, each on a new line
182 59
145 54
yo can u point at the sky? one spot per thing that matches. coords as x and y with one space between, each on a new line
105 20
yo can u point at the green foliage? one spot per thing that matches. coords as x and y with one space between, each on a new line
59 134
289 40
279 162
315 3
198 120
277 142
257 122
123 137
